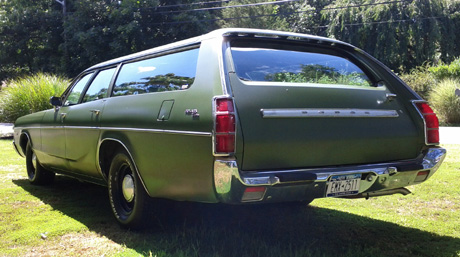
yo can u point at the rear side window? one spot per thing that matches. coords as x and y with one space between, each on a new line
281 65
164 73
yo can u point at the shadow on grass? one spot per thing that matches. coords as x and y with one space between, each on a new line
194 229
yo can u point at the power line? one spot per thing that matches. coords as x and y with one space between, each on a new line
414 20
223 7
191 4
277 14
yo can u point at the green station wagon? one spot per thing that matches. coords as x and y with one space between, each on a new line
235 116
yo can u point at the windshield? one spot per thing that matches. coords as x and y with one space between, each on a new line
274 65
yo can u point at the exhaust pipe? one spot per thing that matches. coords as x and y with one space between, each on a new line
402 190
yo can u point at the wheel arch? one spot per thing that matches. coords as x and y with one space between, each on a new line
23 140
108 148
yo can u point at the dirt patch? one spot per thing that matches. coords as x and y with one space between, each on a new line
74 244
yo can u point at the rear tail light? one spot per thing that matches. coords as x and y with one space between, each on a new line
431 123
224 133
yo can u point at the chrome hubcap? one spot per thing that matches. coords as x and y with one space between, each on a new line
128 187
34 161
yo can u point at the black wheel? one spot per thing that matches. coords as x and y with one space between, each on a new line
36 173
127 195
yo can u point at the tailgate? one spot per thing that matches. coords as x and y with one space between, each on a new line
289 122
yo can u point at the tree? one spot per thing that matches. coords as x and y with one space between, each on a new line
30 35
401 34
269 16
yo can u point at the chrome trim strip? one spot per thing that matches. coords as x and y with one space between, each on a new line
328 113
214 115
183 132
130 156
379 171
414 103
230 182
192 133
434 158
431 161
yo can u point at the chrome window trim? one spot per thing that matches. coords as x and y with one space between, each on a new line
223 66
153 56
328 113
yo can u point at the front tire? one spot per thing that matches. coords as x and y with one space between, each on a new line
128 198
36 174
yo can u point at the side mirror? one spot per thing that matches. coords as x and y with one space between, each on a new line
55 101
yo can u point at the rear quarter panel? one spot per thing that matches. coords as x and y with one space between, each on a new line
174 157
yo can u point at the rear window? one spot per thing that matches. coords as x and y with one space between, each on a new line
170 72
281 65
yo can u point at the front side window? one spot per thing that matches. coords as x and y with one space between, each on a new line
98 88
281 65
164 73
74 95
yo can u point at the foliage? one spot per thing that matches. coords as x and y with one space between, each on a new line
38 36
420 80
444 71
30 35
100 30
259 16
319 74
402 34
29 94
444 101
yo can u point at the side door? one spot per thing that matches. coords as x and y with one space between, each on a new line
82 125
53 129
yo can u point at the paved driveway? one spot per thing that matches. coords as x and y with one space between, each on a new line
6 130
449 135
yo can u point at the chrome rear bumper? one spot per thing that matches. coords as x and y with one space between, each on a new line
231 184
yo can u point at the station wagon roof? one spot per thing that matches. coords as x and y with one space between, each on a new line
260 33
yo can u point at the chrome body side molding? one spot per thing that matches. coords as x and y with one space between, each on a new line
328 113
146 130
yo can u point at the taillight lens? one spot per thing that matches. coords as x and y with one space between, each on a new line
431 123
224 105
225 123
224 139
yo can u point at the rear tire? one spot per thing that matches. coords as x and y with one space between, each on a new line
36 174
128 198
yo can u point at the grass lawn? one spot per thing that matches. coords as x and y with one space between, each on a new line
72 218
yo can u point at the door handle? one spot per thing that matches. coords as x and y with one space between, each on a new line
63 115
391 97
95 111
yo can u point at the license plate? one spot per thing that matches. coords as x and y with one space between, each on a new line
341 185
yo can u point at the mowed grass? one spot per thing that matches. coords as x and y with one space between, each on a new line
72 218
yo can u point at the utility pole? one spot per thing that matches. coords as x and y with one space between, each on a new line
66 51
64 8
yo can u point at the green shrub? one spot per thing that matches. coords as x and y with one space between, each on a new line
29 94
7 72
445 71
420 80
445 103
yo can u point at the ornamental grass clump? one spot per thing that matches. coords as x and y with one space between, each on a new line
445 102
420 80
29 94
